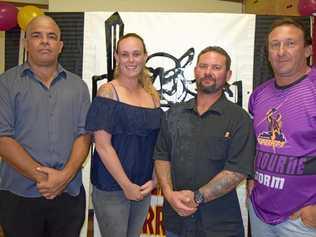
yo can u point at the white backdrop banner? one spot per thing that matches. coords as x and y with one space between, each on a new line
173 41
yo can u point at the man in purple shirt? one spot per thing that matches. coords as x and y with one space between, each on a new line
283 193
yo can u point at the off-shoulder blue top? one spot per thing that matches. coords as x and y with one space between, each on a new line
134 132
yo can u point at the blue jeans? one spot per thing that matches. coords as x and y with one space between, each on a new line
288 228
118 216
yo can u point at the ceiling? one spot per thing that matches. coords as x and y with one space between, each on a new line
232 0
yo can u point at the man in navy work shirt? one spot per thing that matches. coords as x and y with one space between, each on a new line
43 142
204 150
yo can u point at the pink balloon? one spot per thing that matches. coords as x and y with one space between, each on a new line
8 13
307 7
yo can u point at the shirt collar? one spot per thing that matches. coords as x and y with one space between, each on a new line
26 68
217 107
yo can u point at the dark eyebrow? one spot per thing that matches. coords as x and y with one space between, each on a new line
38 33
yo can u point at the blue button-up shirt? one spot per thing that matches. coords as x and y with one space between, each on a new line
44 121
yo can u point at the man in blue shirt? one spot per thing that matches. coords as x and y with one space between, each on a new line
43 142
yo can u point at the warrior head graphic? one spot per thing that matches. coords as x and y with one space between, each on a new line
274 136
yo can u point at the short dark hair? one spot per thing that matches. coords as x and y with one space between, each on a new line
219 50
292 22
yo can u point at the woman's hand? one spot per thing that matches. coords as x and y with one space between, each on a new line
133 192
148 187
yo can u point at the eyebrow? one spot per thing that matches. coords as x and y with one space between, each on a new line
53 33
34 33
38 32
210 64
134 51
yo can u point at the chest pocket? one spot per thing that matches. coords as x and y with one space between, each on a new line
218 148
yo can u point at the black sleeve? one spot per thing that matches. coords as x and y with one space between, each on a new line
241 152
163 144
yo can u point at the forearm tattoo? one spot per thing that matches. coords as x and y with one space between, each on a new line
221 184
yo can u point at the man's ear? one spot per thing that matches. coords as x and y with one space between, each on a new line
61 46
308 51
228 75
195 72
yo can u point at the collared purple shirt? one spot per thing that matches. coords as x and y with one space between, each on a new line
284 119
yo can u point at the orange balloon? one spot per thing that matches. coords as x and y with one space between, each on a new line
26 14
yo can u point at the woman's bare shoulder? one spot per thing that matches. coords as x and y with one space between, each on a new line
106 90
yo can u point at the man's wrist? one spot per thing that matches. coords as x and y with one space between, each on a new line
167 192
40 177
198 197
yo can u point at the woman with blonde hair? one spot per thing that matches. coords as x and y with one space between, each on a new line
125 120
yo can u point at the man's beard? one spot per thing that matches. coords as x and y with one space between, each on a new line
207 89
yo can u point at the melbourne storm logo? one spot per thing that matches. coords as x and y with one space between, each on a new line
274 137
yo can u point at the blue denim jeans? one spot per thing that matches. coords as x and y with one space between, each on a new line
288 228
118 216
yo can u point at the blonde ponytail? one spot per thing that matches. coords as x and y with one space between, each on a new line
146 83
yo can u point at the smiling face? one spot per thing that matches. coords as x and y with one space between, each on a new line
211 73
43 42
288 53
131 57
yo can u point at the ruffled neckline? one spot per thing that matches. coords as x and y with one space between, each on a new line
126 104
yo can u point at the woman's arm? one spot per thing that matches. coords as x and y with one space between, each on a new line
112 163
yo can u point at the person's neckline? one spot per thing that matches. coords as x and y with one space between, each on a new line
130 105
291 84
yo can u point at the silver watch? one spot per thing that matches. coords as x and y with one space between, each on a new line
198 197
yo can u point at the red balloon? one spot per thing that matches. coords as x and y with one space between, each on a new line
307 7
8 13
